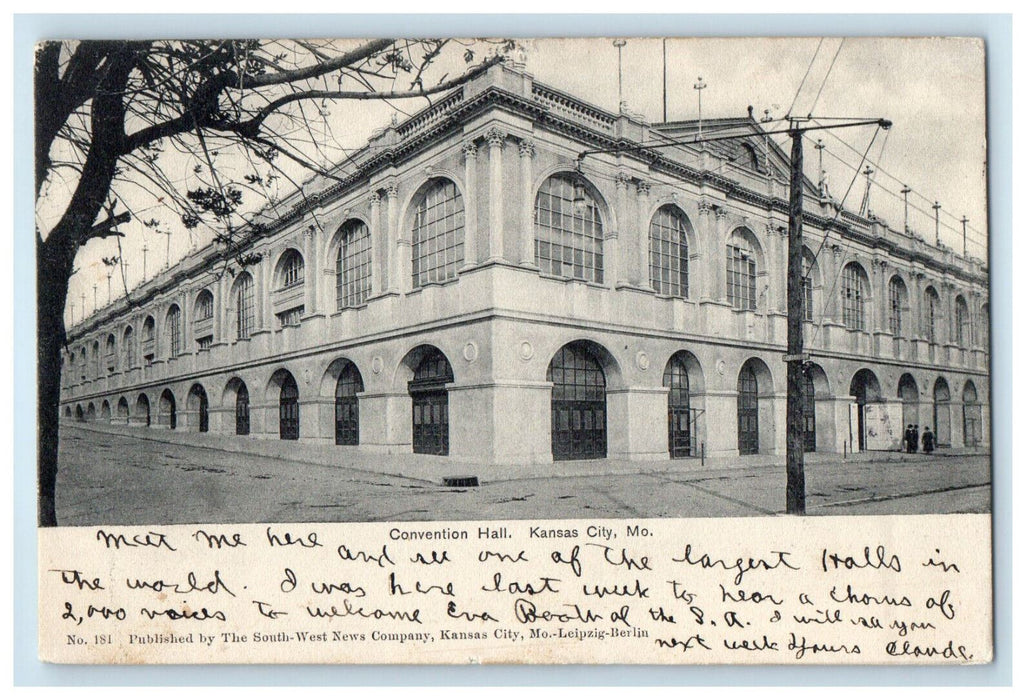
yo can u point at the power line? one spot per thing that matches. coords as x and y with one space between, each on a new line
898 180
822 87
804 80
894 194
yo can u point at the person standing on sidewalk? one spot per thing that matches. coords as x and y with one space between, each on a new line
927 441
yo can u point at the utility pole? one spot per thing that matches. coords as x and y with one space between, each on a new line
620 44
822 182
699 86
144 262
964 236
665 78
796 498
82 304
94 297
866 205
906 191
109 285
936 209
767 161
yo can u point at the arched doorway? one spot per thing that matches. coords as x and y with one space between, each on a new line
346 405
578 403
972 416
79 414
197 400
236 391
747 408
68 411
123 410
430 402
682 378
907 392
143 409
167 409
105 411
290 419
942 412
864 387
91 413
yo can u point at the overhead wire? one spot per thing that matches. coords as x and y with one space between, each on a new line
896 196
804 79
896 179
828 230
823 80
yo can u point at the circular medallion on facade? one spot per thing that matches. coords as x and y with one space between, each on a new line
642 361
526 350
721 367
378 364
470 351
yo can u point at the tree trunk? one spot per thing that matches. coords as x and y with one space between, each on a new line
53 270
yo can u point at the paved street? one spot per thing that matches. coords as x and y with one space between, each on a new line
135 476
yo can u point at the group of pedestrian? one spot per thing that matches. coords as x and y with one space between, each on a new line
911 439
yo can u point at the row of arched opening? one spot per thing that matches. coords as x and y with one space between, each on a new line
578 404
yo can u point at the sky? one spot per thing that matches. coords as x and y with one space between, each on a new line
933 90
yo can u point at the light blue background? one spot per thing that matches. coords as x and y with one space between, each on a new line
996 29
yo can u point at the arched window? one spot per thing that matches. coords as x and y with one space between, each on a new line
960 321
245 296
929 313
669 252
148 329
741 272
853 293
568 237
173 330
204 307
810 273
354 268
748 157
898 305
95 357
82 364
437 234
109 352
984 320
127 347
292 269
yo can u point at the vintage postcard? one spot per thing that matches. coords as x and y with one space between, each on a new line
641 350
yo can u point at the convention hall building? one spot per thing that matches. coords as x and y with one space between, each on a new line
466 285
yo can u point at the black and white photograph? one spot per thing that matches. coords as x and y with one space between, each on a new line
388 280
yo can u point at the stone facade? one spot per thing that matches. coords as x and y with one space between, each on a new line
522 249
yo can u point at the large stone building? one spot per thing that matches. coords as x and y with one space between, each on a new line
465 285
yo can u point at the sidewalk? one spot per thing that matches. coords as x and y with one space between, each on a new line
432 469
